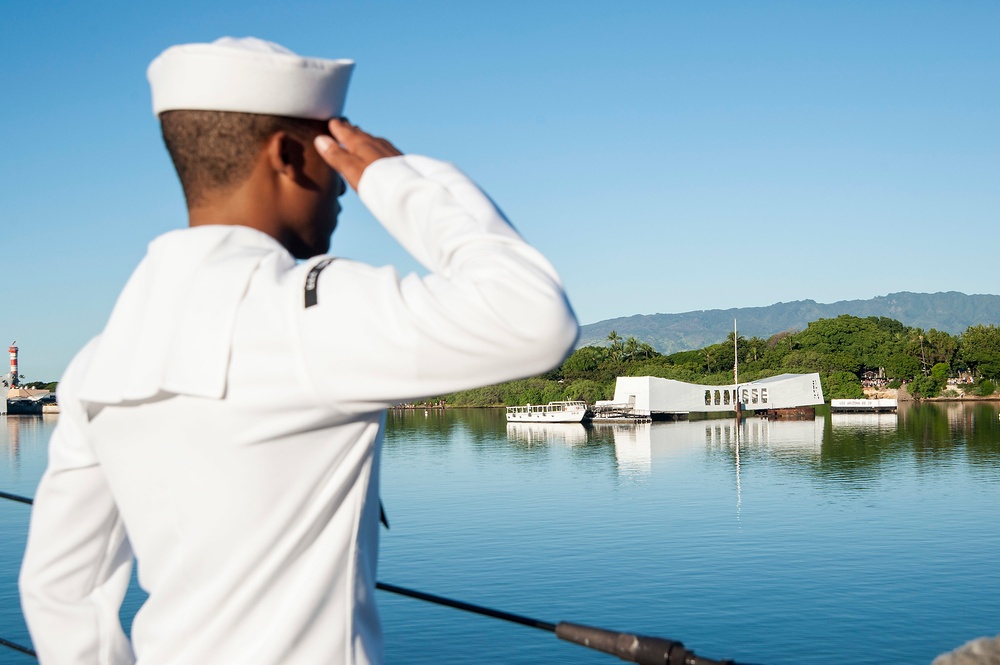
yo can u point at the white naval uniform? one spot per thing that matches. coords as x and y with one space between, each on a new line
228 435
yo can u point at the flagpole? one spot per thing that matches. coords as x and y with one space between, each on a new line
736 355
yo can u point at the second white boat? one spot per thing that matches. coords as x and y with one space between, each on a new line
553 412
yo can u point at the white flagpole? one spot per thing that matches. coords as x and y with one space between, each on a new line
736 355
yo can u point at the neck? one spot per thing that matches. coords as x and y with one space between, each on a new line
249 204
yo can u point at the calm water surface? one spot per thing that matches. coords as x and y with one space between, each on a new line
865 538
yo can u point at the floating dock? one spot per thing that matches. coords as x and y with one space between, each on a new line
864 405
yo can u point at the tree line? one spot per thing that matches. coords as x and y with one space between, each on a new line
845 351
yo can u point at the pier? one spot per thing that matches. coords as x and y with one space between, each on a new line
864 405
618 412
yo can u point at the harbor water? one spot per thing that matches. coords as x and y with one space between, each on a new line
862 538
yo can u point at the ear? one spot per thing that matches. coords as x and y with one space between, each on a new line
285 155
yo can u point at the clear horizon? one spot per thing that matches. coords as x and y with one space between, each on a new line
666 157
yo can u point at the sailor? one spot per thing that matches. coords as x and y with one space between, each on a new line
224 428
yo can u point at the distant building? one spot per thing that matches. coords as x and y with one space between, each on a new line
28 401
669 398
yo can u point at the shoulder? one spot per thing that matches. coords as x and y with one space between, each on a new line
310 280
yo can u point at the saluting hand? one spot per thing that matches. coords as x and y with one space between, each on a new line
351 150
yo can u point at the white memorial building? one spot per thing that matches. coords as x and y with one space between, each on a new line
669 398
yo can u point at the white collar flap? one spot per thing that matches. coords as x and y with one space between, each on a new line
172 327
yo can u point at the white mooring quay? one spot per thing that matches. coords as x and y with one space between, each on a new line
863 405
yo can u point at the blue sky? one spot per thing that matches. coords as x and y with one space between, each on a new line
666 156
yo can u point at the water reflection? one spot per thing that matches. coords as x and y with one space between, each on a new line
932 424
849 450
802 436
21 433
438 427
12 442
633 449
739 491
636 446
566 434
941 434
864 421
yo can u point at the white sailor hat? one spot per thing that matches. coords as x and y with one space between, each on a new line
248 75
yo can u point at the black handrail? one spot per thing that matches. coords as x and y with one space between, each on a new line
17 647
627 646
16 497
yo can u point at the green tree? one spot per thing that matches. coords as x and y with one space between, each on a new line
841 350
941 347
588 391
647 351
939 373
922 386
842 385
902 366
755 346
583 362
980 349
931 384
617 346
985 388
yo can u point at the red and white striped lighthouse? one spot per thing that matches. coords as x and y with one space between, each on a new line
12 349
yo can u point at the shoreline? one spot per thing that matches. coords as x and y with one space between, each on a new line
912 400
961 398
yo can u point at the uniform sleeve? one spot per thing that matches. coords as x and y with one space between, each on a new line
491 309
78 561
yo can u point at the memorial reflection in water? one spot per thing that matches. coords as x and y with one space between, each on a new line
638 446
964 430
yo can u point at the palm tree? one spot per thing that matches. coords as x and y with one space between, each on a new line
631 347
616 345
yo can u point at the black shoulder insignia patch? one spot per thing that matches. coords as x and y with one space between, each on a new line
311 281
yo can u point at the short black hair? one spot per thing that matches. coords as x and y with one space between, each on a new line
216 149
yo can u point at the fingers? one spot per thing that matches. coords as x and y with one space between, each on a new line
345 133
357 141
352 150
347 165
332 152
361 144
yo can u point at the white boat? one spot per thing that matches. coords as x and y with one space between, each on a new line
553 412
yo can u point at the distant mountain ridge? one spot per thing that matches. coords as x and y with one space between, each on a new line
949 311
